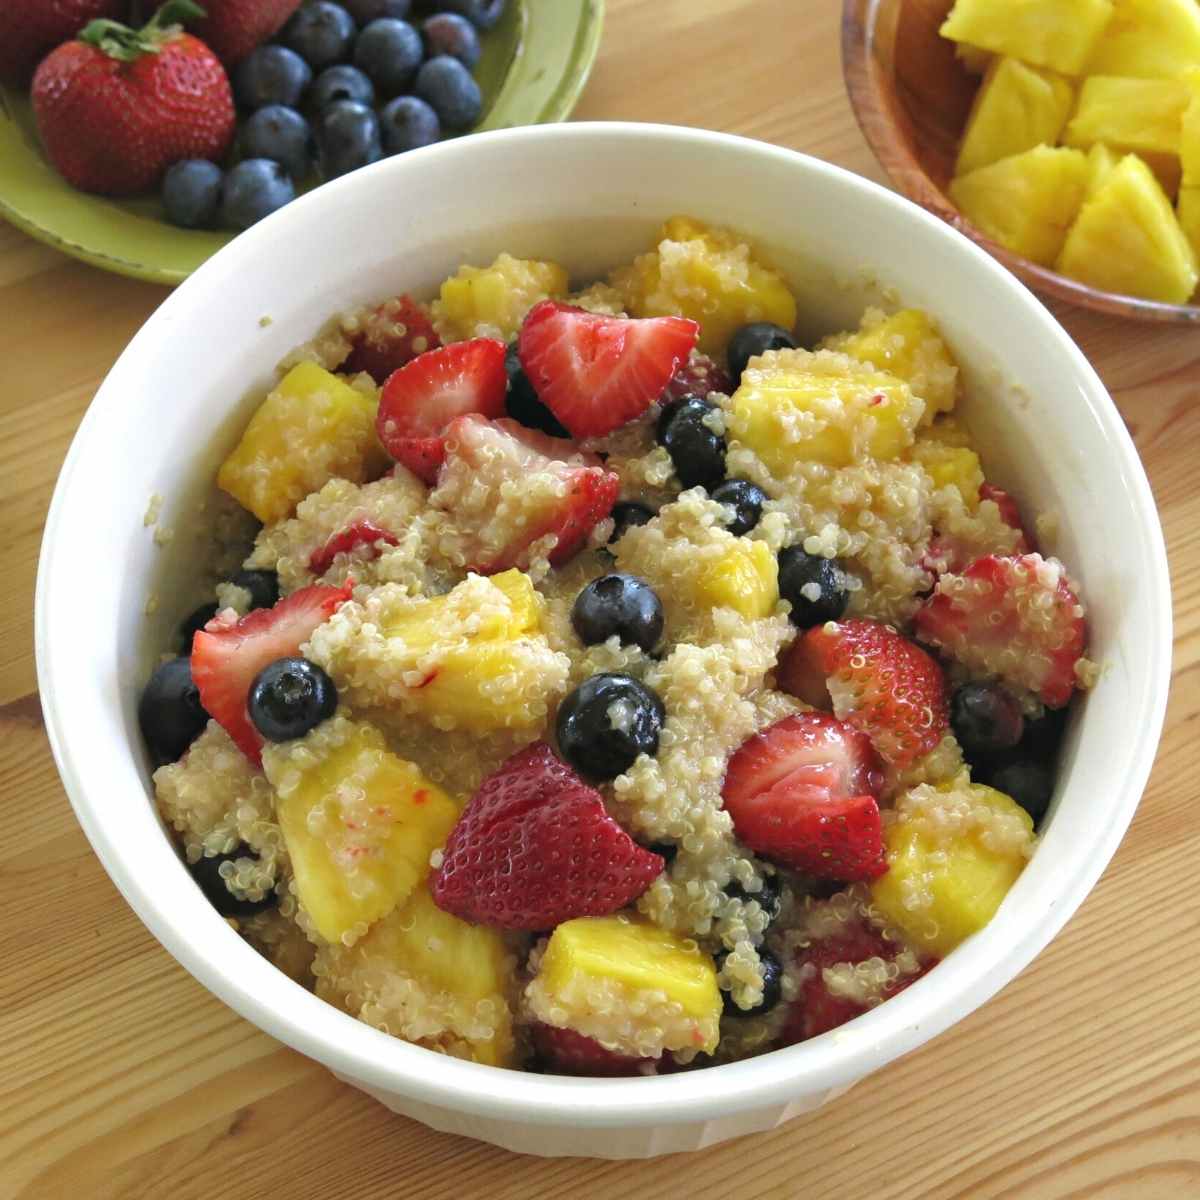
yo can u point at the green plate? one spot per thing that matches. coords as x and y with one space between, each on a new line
534 66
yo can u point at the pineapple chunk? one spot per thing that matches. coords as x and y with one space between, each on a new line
706 274
907 345
1149 39
1133 116
1189 215
359 823
474 659
950 466
1189 131
745 578
633 986
312 428
1127 240
949 431
426 976
795 407
975 59
1026 202
1059 34
492 301
1017 107
953 852
1101 161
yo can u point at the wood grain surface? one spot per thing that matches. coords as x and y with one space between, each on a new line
120 1077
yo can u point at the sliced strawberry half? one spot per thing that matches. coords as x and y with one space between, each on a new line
422 398
1019 618
535 847
227 654
877 680
565 492
803 792
596 373
363 532
565 1052
391 335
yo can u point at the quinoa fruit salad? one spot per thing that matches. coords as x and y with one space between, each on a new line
615 686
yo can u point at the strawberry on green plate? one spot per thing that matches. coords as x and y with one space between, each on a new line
534 66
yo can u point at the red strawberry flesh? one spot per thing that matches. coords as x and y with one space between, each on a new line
390 337
362 532
565 1052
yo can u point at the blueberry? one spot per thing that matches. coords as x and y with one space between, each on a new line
618 604
282 135
606 722
254 189
289 697
985 718
191 193
752 340
746 499
193 623
271 75
627 513
448 88
207 874
815 587
1044 736
389 52
408 123
772 971
483 14
347 138
320 32
448 33
366 11
769 897
1029 783
263 587
696 450
522 403
170 713
340 82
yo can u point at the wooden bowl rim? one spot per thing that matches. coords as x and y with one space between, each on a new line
867 90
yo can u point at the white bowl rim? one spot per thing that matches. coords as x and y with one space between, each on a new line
833 1060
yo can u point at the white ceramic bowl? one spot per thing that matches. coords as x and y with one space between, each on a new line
589 196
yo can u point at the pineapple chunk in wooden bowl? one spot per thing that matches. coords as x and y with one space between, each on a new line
1026 115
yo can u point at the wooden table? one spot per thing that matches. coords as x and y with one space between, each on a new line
122 1077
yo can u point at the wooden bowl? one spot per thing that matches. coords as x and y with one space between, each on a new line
911 96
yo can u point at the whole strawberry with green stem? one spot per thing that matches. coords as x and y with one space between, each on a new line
30 29
117 106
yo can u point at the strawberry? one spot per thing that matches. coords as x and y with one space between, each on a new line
596 373
362 532
228 653
233 28
535 847
1010 514
803 791
951 553
878 681
1019 618
565 1052
489 455
421 399
697 377
392 335
30 29
117 107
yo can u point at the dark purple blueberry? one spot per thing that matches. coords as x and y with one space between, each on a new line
322 33
340 82
347 138
769 896
191 193
289 697
483 14
366 11
282 135
522 403
207 874
606 722
752 340
170 714
449 89
271 75
624 605
263 586
985 718
389 52
813 585
254 189
772 971
1029 783
448 33
696 450
193 623
408 123
746 499
626 514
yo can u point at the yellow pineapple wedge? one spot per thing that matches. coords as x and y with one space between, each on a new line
975 59
1133 116
1016 108
704 273
745 578
1188 211
1149 39
312 428
424 975
796 407
953 853
359 823
1127 239
631 985
950 466
1059 34
1189 139
1101 161
1026 202
492 301
474 659
905 344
